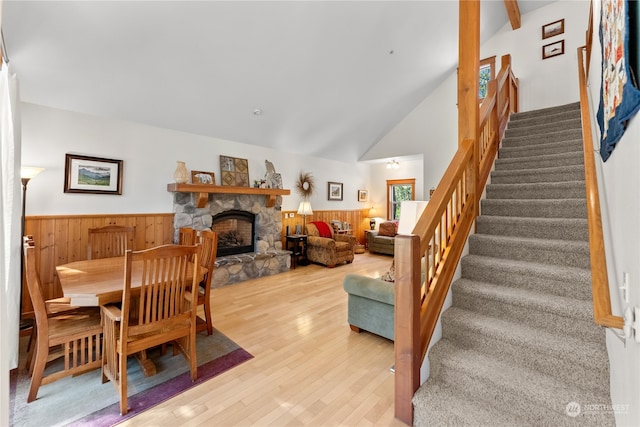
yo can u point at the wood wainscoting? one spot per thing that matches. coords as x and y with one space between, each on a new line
357 218
62 239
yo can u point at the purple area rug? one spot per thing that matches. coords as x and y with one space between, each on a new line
85 401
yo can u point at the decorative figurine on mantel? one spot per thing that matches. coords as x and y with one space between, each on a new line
273 179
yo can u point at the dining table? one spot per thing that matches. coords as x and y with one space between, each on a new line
97 282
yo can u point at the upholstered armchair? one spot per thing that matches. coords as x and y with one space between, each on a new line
325 247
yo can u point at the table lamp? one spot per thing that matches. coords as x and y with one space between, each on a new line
372 219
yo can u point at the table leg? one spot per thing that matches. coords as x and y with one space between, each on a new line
146 364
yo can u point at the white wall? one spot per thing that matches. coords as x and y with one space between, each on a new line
620 202
552 81
150 156
431 130
432 127
379 176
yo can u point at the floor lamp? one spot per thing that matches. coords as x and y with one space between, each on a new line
26 173
304 209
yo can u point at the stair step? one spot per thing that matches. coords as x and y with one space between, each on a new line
507 152
572 282
542 128
555 174
544 251
566 358
519 121
562 315
548 208
546 112
513 389
437 404
543 161
538 228
547 138
537 190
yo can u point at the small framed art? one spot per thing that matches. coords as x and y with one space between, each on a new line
553 49
93 175
334 191
363 195
552 29
201 177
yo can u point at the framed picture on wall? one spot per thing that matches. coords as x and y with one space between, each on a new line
553 29
553 49
92 175
334 191
362 195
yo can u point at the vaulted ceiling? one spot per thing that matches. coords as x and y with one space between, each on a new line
321 78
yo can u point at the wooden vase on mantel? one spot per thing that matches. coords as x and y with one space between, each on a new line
181 175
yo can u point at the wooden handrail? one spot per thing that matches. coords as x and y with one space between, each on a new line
438 239
599 278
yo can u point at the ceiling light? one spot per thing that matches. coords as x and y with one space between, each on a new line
392 164
257 112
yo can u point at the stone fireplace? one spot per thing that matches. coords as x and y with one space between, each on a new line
236 232
260 251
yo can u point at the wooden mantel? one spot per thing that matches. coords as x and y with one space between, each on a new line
203 191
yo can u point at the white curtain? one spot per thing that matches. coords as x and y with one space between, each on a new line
10 229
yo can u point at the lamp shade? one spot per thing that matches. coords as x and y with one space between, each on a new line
410 212
29 172
305 208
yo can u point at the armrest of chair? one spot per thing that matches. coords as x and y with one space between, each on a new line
322 242
111 313
344 238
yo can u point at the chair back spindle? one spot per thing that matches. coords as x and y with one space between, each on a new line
109 241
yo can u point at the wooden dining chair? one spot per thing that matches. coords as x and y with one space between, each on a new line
75 335
207 257
161 310
187 236
109 241
53 306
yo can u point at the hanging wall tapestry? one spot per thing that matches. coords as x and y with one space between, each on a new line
619 99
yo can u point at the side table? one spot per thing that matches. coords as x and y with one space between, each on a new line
297 244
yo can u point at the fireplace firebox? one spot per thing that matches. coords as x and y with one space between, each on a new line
236 232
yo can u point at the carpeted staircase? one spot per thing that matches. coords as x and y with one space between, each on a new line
519 343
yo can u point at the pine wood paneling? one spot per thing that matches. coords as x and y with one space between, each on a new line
62 239
357 218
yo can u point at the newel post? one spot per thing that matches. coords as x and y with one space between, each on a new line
407 324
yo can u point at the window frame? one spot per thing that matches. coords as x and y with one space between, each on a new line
491 63
393 182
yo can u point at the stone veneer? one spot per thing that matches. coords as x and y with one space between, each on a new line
269 257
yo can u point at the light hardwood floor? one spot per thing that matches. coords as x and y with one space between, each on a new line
308 368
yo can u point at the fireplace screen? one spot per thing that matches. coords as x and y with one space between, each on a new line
236 232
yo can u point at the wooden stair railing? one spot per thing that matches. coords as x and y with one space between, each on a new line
439 237
599 278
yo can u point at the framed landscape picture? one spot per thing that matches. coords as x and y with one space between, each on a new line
95 175
362 195
334 191
553 29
